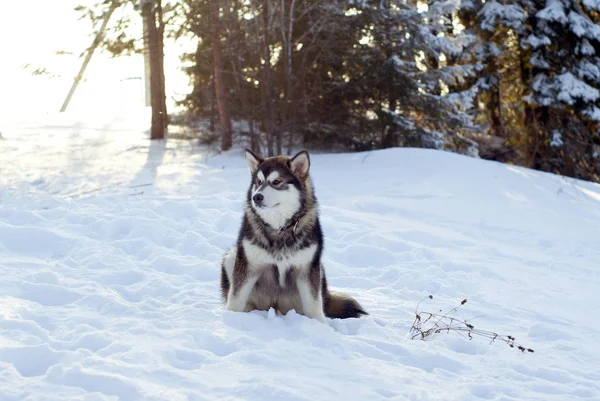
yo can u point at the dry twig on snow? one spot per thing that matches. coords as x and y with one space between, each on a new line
426 324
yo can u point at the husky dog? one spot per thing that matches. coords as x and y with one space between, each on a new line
277 259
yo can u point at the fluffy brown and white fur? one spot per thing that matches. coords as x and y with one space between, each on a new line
277 259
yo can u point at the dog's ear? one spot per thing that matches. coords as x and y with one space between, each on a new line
252 160
300 164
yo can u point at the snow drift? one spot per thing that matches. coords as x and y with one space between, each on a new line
109 266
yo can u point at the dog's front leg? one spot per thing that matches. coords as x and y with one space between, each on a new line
309 289
238 297
243 282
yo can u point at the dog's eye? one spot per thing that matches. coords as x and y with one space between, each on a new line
258 182
276 182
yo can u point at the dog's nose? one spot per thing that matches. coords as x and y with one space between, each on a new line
258 198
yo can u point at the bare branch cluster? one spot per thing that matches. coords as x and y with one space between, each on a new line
426 324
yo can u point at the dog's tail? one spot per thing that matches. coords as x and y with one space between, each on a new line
341 306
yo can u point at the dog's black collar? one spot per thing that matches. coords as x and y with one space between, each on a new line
293 224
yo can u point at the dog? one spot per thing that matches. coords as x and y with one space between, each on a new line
276 261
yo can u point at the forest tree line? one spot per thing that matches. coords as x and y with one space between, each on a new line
516 81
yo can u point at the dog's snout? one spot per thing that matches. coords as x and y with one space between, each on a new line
258 198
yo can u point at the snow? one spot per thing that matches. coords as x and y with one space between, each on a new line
110 247
592 4
565 87
466 5
397 62
494 49
535 41
511 15
583 27
553 12
442 8
538 60
465 99
544 88
586 48
556 139
587 70
571 88
593 113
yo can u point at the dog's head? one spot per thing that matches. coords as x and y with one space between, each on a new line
280 186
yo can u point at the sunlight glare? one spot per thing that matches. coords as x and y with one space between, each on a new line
54 27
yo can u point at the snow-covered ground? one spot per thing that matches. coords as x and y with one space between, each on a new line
109 266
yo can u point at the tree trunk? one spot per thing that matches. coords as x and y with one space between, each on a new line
532 127
213 111
389 133
157 98
289 109
494 106
247 108
147 74
161 48
267 80
224 117
305 112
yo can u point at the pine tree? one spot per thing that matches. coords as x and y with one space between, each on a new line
404 54
562 75
493 26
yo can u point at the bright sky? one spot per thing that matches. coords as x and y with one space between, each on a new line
52 26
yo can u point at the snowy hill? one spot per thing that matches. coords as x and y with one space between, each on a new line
109 264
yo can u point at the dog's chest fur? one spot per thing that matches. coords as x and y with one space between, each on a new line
285 258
